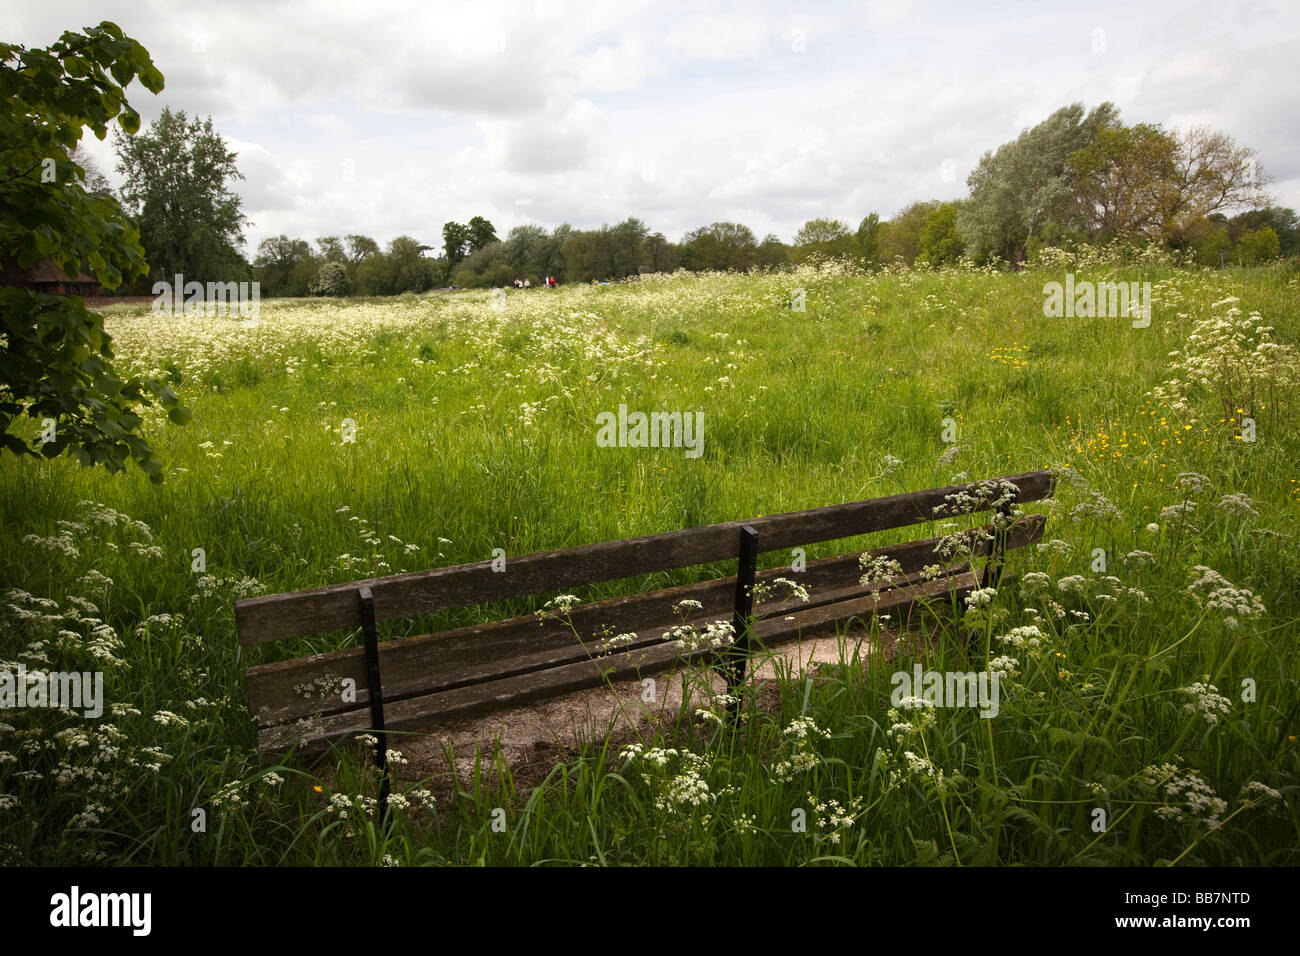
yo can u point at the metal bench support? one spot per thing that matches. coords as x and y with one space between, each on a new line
746 569
376 690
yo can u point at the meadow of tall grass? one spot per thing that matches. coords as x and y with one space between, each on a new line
1146 649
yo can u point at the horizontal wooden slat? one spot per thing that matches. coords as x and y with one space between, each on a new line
278 616
421 665
416 713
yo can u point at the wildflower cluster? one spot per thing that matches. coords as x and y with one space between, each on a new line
1205 702
232 586
832 819
913 716
800 736
1097 506
1235 358
558 607
981 496
1239 505
1055 547
1184 794
374 560
325 686
793 590
684 787
878 572
911 764
959 545
58 638
688 639
1214 592
718 705
608 645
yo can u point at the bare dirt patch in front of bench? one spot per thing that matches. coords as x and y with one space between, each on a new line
532 739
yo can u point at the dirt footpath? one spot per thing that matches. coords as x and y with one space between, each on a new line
539 732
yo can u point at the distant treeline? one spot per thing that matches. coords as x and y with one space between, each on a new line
1075 178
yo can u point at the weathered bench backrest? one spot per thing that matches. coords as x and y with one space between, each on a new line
278 616
508 657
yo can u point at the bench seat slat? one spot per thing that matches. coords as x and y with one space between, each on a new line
412 680
278 616
290 690
420 712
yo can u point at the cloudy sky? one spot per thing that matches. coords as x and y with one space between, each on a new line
392 118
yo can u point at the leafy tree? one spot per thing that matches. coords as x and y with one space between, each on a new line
403 267
940 243
627 242
177 185
481 233
95 182
1280 219
586 256
1024 190
1141 182
1256 246
555 261
610 252
332 280
828 238
331 249
455 242
372 276
285 267
487 267
360 248
868 236
820 231
1213 244
900 237
772 253
56 359
719 246
526 250
1210 174
658 254
1118 180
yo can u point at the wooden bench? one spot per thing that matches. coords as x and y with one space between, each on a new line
415 682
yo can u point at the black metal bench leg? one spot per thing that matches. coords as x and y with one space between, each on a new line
746 569
375 688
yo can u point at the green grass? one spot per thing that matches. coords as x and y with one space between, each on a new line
474 430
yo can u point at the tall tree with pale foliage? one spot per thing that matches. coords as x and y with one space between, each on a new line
1017 191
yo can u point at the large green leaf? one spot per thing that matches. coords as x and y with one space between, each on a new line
56 360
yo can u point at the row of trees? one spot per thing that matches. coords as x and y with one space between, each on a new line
1079 176
347 265
923 233
357 265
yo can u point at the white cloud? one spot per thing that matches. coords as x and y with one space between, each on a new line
349 118
718 37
